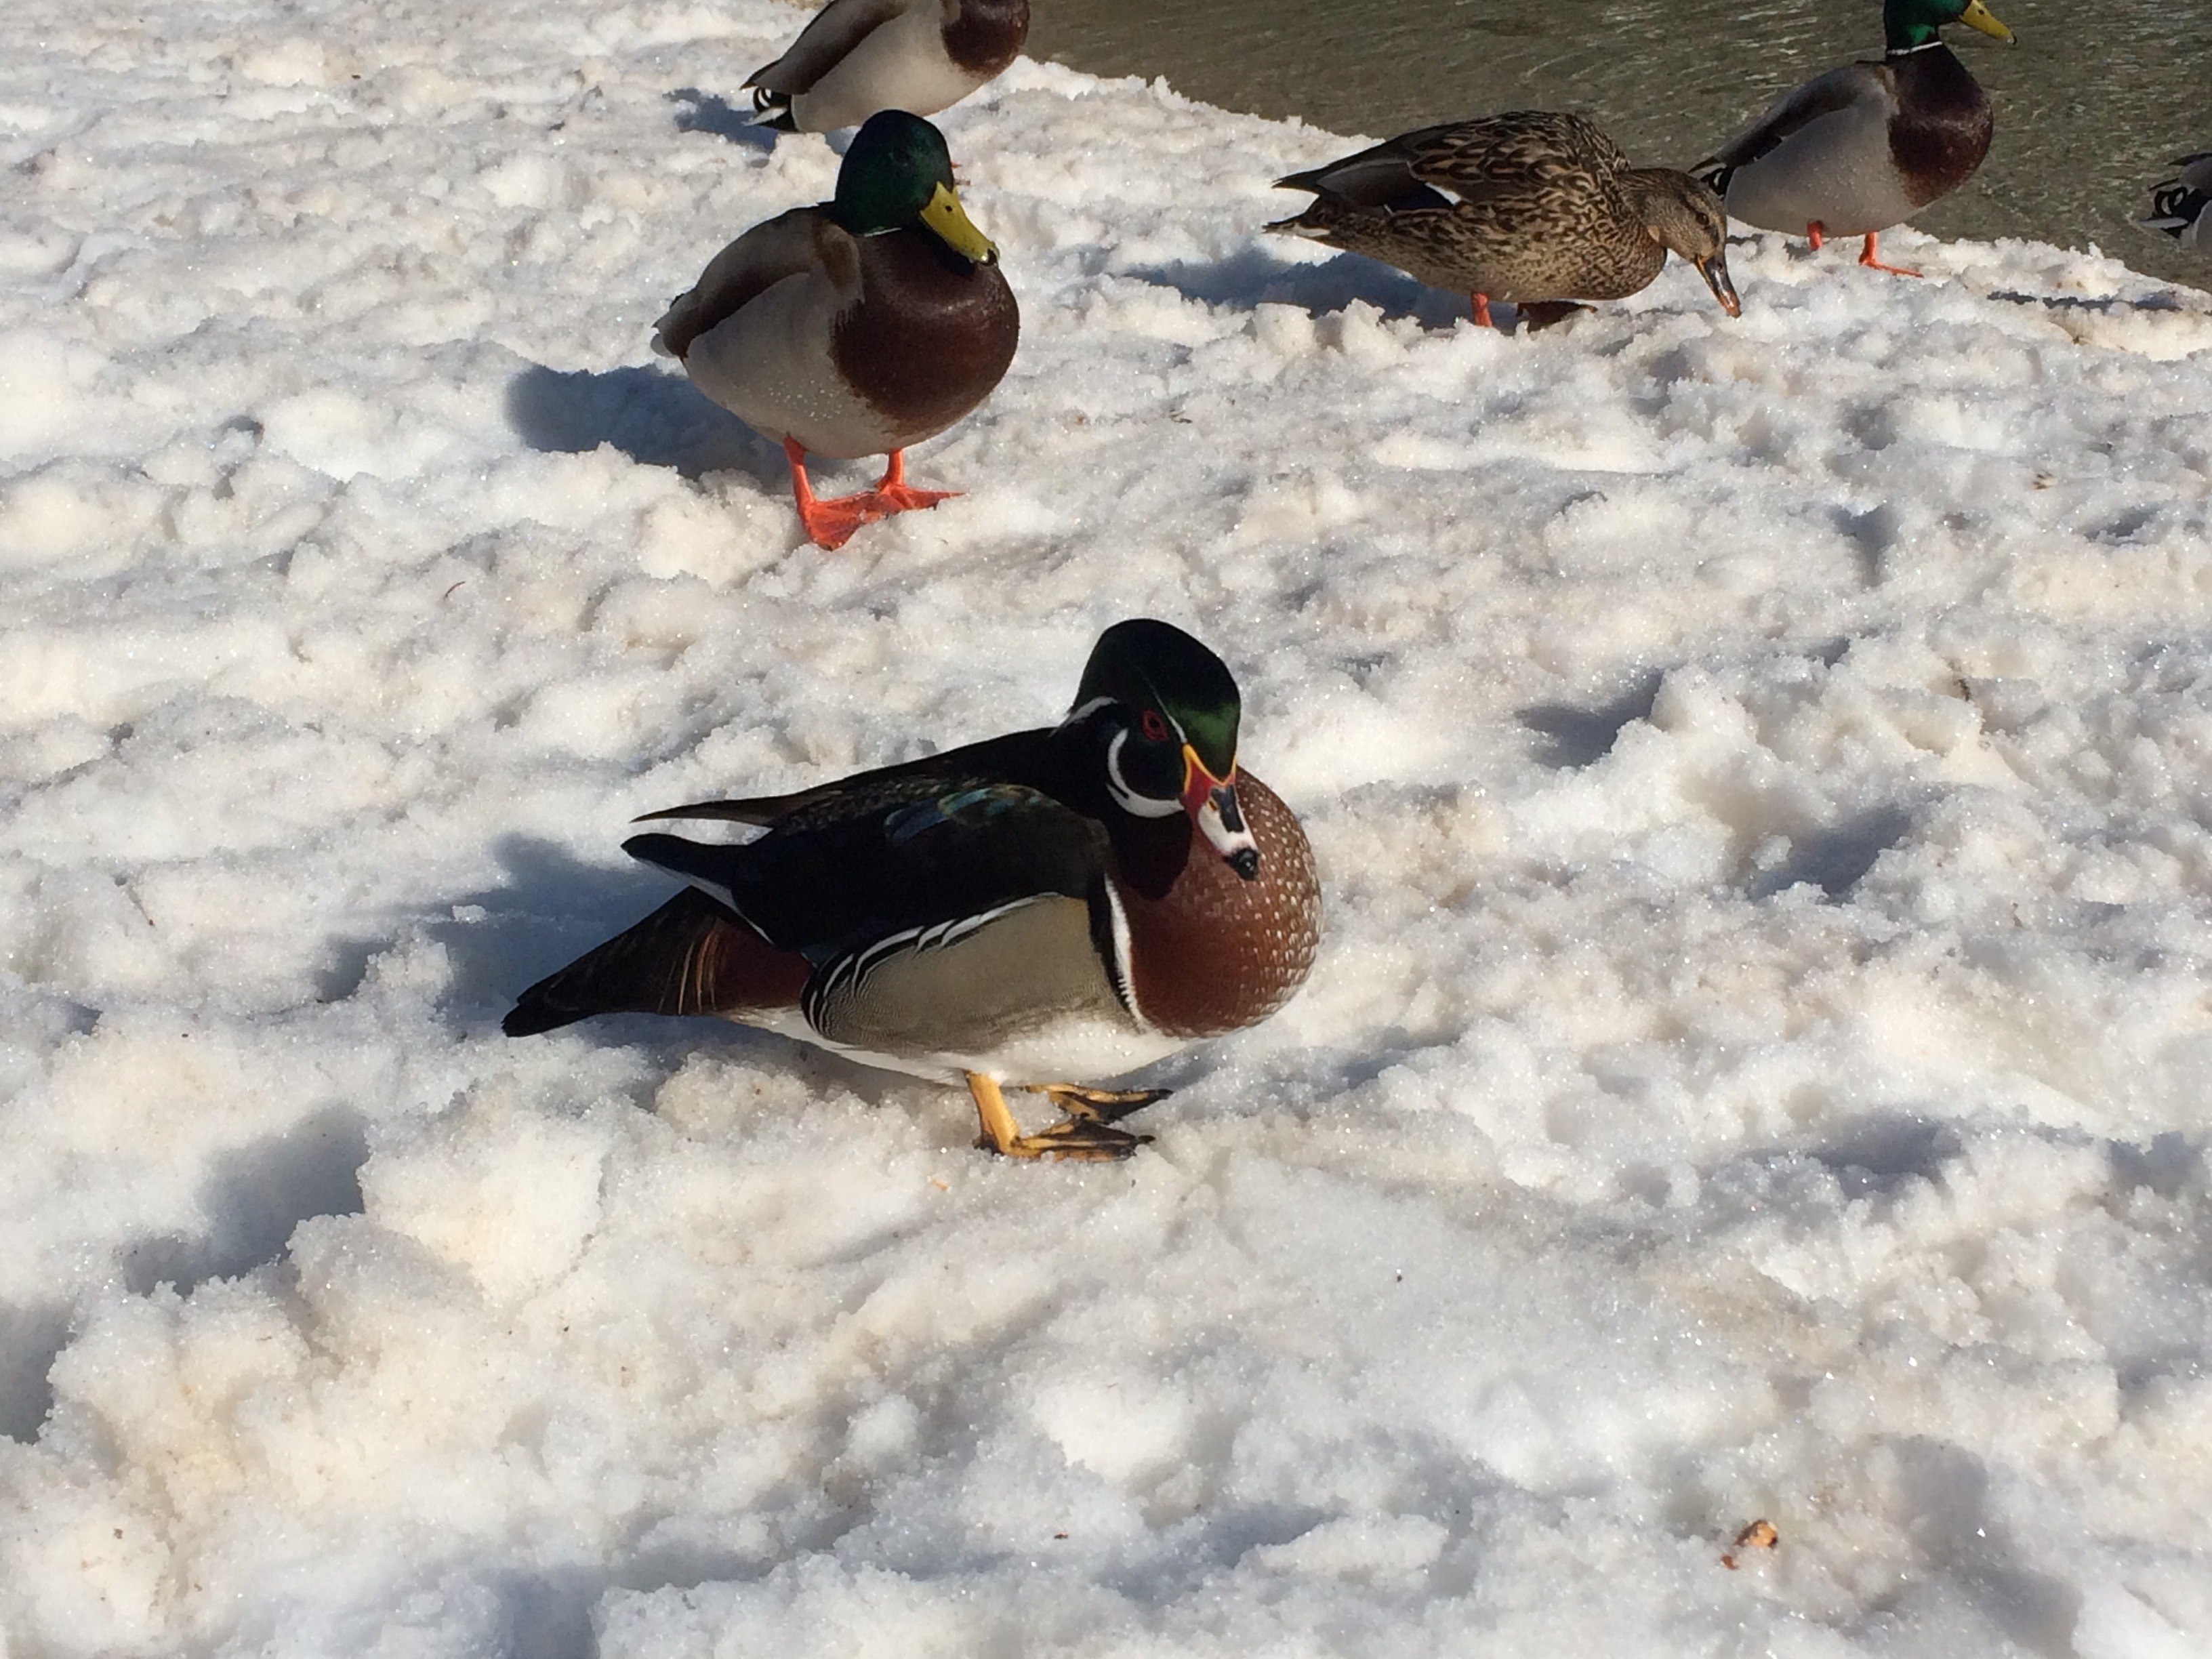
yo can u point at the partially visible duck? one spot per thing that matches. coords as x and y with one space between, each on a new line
1865 147
1532 207
857 57
1036 910
2182 206
856 327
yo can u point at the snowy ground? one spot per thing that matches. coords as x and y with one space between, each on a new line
1760 1064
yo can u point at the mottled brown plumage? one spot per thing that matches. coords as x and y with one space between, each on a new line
1528 206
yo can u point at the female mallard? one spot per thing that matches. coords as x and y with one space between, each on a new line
856 327
857 57
1858 149
1070 902
1531 207
2182 206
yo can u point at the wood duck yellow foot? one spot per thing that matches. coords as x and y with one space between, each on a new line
1097 1105
830 523
1866 258
1085 1132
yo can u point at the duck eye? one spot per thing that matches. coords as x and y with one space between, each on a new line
1153 727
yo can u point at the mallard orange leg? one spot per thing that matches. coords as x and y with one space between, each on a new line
1813 233
1086 1132
1866 258
830 523
1481 302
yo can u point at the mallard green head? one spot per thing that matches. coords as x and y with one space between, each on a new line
897 173
1168 709
1686 217
1911 24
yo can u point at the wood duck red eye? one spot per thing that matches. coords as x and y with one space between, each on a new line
1153 727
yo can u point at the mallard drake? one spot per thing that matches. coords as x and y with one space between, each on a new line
2182 206
856 57
1532 207
1865 147
856 327
1073 901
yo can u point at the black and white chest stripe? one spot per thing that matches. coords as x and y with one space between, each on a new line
843 978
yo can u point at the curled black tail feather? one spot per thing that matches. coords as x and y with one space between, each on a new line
690 956
773 110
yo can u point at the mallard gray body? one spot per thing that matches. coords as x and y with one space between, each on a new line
857 326
856 57
1862 147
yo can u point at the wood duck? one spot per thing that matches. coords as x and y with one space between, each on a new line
856 327
1074 901
856 57
1534 207
1865 147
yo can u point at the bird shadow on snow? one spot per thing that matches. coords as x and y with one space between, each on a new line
548 911
1254 277
711 112
654 417
253 1196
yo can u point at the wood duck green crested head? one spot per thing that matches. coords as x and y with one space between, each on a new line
1157 712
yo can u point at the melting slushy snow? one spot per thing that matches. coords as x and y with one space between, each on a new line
1760 1065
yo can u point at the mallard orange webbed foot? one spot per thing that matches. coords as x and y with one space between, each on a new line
895 494
830 523
1086 1133
1480 302
1866 258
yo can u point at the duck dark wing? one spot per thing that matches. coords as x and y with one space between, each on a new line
1824 95
1379 177
692 956
1018 757
804 239
824 44
827 887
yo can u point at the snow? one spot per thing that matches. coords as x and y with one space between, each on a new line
1759 1064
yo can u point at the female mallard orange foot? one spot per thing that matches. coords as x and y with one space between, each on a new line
1087 1132
1481 303
830 523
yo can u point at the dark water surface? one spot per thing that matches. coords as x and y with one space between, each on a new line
2091 105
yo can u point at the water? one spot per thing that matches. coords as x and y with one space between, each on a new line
2091 103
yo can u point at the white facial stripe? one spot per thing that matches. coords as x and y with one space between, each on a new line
1224 840
1127 800
1117 970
